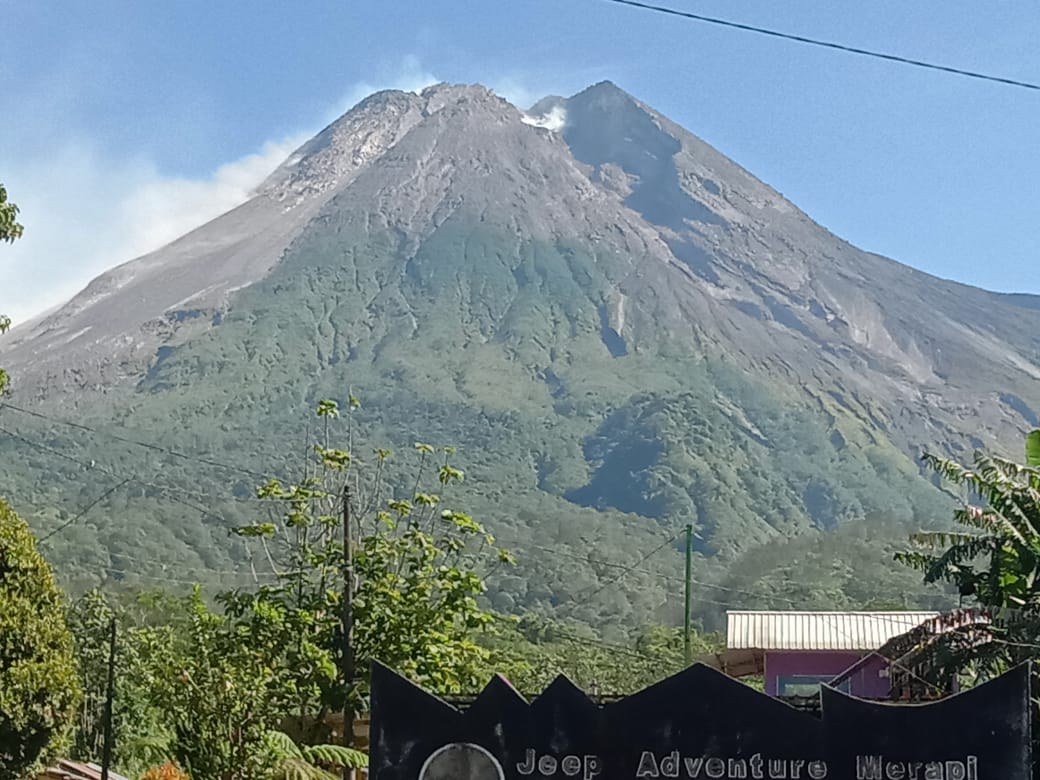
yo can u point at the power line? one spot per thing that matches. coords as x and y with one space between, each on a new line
167 490
662 575
152 578
92 466
627 569
164 565
635 567
827 44
84 511
562 632
701 583
170 492
146 445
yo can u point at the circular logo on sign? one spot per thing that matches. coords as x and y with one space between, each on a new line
461 761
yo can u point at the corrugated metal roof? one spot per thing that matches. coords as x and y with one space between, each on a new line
74 770
818 630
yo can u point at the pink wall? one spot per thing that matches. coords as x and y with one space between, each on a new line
864 682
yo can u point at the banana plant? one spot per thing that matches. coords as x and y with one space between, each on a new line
1033 449
995 559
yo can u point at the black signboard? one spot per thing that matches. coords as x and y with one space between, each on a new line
697 725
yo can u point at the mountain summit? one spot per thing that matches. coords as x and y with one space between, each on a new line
622 328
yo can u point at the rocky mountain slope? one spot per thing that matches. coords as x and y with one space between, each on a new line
622 330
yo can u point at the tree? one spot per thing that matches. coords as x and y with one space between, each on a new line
9 231
1033 449
217 685
997 560
533 652
310 762
994 563
416 575
220 684
39 690
9 227
138 739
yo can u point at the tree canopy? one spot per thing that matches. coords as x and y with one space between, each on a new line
10 229
39 688
996 559
994 563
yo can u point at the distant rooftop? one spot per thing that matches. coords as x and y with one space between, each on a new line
852 631
74 770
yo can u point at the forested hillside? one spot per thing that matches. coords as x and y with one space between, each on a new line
620 330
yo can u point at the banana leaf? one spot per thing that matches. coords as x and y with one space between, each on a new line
1033 448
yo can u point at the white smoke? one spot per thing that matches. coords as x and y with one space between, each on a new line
85 211
555 120
409 77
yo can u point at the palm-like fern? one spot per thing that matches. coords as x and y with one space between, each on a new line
1033 449
997 559
310 762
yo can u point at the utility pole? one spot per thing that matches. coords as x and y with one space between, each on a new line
347 627
106 750
689 583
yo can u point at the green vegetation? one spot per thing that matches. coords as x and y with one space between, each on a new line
845 565
308 762
418 568
994 561
212 686
219 685
139 737
532 653
577 460
39 691
10 229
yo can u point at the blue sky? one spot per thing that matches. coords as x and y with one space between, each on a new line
123 124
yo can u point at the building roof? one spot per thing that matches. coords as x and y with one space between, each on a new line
74 770
851 631
735 663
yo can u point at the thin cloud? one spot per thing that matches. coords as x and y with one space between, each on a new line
409 77
85 212
516 92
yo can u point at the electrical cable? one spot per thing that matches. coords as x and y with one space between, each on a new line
701 583
83 512
870 653
157 448
827 44
93 466
635 567
167 490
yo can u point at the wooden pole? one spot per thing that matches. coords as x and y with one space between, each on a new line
347 628
110 692
686 612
